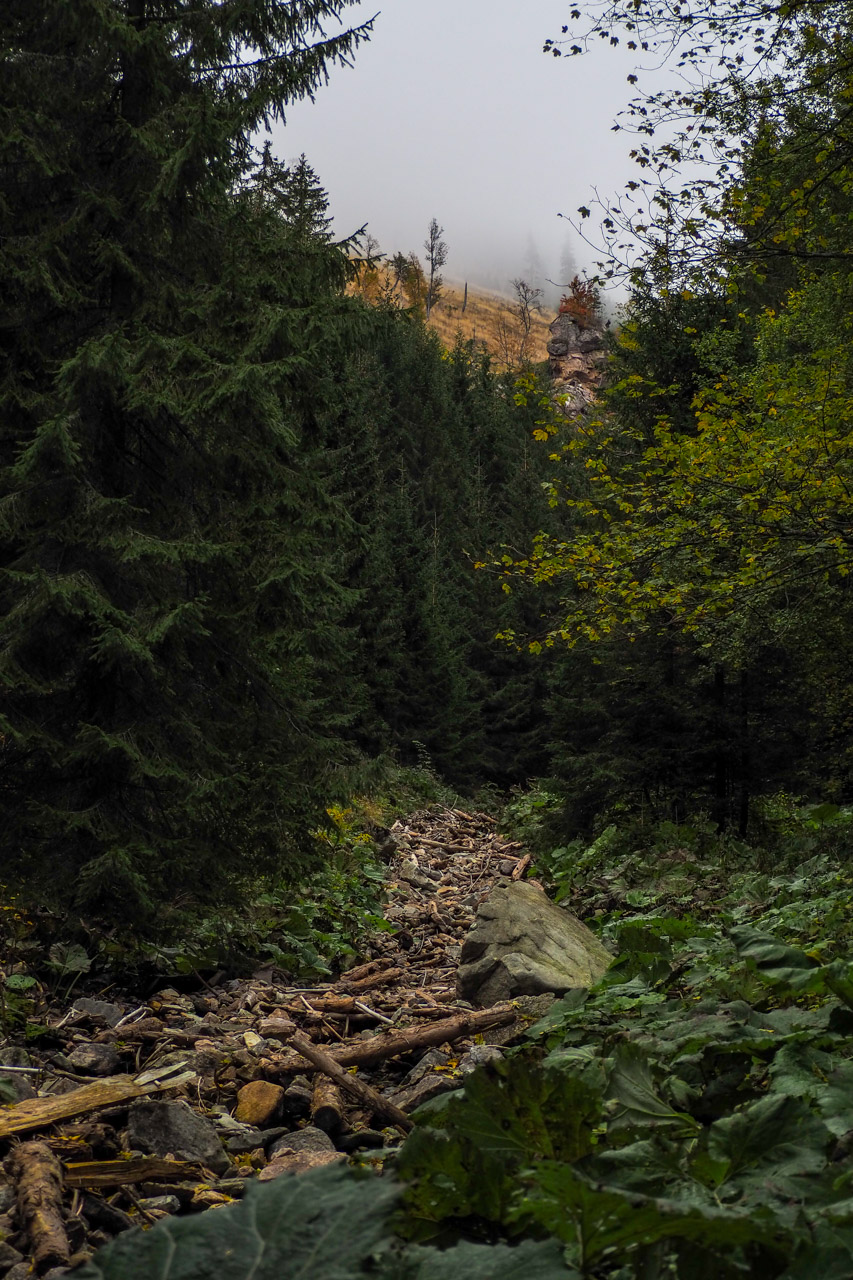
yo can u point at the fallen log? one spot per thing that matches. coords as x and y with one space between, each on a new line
88 1174
325 1004
390 1044
327 1108
38 1177
375 980
38 1113
364 971
351 1085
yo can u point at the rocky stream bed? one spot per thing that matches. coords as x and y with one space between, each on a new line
129 1111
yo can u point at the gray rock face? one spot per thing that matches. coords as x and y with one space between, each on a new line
111 1013
95 1059
576 353
522 944
15 1087
307 1139
170 1128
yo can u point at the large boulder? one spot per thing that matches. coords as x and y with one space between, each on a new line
171 1129
521 943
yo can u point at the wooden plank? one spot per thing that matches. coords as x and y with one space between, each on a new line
38 1113
123 1173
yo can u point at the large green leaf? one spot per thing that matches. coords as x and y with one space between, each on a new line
638 1102
329 1224
596 1220
778 964
513 1114
777 1136
532 1260
325 1223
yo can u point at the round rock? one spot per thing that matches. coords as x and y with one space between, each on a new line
259 1103
94 1059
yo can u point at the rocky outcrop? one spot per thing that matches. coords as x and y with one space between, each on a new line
576 357
523 944
171 1128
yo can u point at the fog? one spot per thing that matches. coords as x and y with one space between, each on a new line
453 111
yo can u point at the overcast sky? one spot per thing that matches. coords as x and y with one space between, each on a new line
453 111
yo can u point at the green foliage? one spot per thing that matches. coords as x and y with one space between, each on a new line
690 1115
328 1222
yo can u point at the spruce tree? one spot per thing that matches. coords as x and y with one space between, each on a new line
166 538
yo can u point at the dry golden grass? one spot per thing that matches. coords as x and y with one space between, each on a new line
487 320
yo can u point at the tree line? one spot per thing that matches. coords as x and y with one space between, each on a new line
240 507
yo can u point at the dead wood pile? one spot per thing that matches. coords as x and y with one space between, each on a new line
128 1111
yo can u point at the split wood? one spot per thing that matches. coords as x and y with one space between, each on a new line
38 1177
38 1113
392 1043
375 980
121 1173
349 1084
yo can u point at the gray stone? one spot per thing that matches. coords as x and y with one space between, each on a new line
477 1056
240 1141
430 1086
413 875
7 1197
12 1055
9 1256
307 1139
523 944
15 1086
170 1128
20 1271
165 1204
111 1013
94 1059
431 1059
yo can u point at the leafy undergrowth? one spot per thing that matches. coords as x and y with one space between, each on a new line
691 1116
328 1223
310 929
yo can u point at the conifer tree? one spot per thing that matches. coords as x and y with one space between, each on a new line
164 584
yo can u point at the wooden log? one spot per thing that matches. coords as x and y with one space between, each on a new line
375 980
38 1177
350 1084
121 1173
363 971
38 1113
391 1044
326 1004
327 1108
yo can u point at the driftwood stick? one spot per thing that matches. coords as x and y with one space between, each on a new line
38 1113
520 867
349 1084
392 1043
121 1173
38 1175
364 971
375 980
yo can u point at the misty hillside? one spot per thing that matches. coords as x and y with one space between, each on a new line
494 321
488 319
